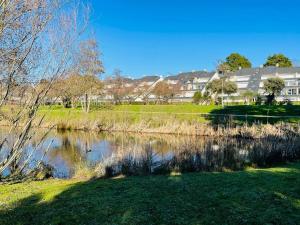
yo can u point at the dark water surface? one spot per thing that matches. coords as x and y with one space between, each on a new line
70 152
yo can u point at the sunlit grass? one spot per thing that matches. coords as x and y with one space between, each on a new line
163 118
253 196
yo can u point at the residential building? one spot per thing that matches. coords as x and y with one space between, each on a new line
250 79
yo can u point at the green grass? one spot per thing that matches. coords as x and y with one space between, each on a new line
181 108
264 196
156 116
275 110
134 111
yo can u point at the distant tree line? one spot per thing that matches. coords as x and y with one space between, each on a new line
123 90
82 82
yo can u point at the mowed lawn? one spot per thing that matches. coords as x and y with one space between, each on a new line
264 196
273 110
180 112
179 108
132 113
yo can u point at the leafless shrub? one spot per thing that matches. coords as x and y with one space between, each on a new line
36 41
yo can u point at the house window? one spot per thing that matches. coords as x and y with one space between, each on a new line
291 83
292 91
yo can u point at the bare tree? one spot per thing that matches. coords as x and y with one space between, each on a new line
36 37
68 90
119 88
164 91
142 93
89 67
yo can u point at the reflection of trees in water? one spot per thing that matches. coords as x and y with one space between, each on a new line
71 154
143 154
200 153
270 150
84 140
207 155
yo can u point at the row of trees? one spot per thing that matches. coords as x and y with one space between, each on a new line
74 87
79 86
82 82
122 90
235 61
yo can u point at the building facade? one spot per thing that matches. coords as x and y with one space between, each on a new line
251 79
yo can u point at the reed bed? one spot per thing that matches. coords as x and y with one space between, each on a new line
171 124
223 154
163 123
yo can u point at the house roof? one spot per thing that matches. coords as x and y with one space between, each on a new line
111 80
183 77
266 70
147 79
281 70
245 72
256 74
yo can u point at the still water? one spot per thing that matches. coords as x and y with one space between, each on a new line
68 152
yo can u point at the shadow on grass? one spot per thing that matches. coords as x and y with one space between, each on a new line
241 114
249 197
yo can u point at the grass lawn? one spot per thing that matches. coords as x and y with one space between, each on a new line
275 110
133 110
159 114
265 196
133 114
180 108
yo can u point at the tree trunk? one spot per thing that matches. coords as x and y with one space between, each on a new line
82 105
86 102
72 103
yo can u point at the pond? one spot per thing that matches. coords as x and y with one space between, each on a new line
70 153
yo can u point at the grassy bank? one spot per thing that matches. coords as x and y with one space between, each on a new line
273 110
265 196
132 113
174 119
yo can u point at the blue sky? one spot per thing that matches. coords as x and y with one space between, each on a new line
147 37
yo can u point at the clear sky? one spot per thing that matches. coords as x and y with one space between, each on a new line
147 37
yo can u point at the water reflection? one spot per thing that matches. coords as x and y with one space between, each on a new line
116 153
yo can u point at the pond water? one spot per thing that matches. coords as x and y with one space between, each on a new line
115 153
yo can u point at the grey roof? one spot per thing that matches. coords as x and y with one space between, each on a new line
246 72
256 74
266 70
111 80
128 80
191 75
148 79
282 70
